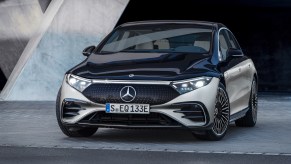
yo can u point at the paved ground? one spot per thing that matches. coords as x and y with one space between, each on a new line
22 155
33 124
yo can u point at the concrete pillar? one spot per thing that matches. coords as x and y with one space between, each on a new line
68 26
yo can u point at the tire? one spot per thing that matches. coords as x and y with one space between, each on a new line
72 131
221 118
250 119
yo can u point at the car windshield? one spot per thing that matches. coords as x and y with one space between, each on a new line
159 38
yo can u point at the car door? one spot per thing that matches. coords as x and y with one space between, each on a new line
236 73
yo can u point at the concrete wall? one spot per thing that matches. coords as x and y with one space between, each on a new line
68 26
19 19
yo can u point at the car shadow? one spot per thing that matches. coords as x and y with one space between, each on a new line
161 136
144 135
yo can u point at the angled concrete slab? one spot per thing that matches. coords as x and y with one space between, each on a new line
19 19
68 26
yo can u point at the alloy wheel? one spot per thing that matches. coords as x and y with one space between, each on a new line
254 101
221 113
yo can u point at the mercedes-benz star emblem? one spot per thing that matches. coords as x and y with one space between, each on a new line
127 94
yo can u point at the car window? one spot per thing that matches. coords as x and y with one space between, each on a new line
160 38
232 40
223 44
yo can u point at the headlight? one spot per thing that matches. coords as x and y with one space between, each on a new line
191 84
78 83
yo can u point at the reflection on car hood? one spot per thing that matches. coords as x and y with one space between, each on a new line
144 66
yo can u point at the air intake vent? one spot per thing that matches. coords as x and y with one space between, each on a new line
70 109
129 119
193 112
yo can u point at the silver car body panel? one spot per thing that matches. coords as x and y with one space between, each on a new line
238 81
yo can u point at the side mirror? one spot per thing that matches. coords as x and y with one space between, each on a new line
88 50
234 52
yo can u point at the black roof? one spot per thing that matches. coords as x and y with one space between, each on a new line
206 23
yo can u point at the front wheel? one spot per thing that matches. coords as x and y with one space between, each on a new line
221 118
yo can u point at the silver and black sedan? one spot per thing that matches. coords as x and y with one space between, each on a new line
161 74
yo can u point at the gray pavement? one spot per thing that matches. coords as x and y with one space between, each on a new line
22 155
33 124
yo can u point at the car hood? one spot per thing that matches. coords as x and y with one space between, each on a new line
144 66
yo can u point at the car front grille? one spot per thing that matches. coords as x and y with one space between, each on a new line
145 94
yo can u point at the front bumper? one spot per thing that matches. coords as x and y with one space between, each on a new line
172 112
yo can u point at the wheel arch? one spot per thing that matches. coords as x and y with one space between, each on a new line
222 80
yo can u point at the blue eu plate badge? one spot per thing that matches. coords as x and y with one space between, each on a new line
107 108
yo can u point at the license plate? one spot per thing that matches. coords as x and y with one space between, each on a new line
128 108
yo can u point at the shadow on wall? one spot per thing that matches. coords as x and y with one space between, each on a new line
10 50
19 20
2 80
43 4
